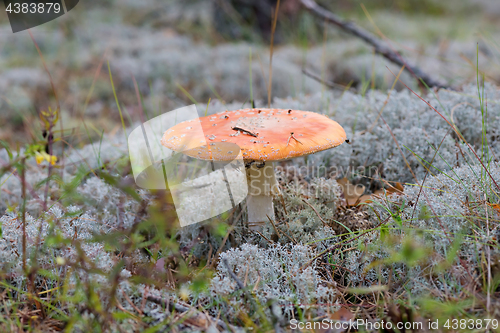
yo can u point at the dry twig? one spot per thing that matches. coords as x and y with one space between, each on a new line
329 84
488 253
380 47
235 278
319 216
201 319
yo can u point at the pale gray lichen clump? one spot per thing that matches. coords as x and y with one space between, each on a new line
414 125
443 215
279 274
81 227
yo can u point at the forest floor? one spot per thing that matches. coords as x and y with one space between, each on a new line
401 225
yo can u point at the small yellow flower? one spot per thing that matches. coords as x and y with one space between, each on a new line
39 158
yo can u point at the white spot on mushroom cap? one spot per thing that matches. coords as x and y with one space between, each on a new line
235 134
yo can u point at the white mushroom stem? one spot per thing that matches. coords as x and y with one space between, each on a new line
262 186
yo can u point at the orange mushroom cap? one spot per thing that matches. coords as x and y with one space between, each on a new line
261 134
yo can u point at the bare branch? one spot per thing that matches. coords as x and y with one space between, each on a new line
329 84
235 278
378 45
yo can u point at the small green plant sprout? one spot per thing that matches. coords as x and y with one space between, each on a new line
43 152
49 118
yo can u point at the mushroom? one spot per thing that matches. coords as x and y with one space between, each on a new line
264 136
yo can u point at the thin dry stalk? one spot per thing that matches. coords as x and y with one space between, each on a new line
454 129
49 135
426 174
445 229
46 194
269 86
274 226
329 84
240 284
336 246
369 130
197 316
224 240
314 209
488 254
23 184
267 239
129 302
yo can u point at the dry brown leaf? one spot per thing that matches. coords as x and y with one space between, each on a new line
342 314
353 194
400 187
397 188
495 206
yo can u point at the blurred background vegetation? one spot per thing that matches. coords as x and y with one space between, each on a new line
204 47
